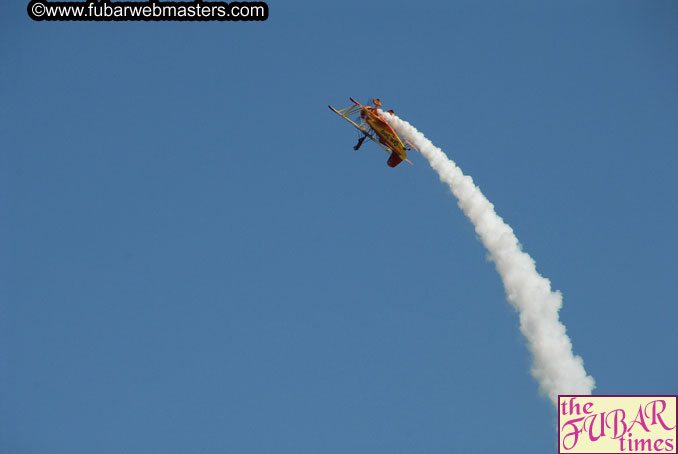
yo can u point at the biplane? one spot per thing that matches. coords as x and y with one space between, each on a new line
371 124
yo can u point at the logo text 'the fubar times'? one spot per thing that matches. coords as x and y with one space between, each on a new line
617 424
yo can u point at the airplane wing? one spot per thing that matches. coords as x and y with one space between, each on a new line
363 127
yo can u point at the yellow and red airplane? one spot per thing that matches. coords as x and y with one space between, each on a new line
370 123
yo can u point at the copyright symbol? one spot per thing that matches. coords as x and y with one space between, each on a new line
36 10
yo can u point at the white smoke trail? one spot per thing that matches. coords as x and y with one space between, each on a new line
555 367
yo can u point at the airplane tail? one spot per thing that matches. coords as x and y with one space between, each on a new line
394 160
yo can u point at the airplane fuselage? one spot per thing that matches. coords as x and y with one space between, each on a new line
387 136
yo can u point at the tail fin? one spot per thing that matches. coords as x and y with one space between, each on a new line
394 160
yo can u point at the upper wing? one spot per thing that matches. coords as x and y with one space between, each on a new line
362 126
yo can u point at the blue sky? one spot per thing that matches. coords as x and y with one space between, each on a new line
194 259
